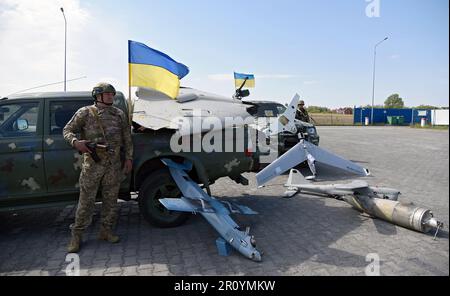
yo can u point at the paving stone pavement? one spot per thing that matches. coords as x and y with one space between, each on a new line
305 235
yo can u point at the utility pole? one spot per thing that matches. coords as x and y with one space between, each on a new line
374 67
65 50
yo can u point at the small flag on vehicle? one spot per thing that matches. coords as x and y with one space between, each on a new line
244 80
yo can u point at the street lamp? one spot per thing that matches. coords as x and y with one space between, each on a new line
374 67
65 49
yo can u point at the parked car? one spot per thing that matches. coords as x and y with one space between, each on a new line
286 140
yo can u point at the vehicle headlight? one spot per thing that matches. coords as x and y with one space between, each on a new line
311 130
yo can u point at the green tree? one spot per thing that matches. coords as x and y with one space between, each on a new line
394 101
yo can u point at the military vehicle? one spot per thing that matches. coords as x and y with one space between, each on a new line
38 168
286 139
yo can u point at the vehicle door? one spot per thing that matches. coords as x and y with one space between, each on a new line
62 162
22 172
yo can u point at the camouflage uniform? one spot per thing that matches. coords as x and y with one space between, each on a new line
302 114
108 172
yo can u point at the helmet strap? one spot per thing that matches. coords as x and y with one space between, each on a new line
102 101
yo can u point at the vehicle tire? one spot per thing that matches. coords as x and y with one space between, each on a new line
160 184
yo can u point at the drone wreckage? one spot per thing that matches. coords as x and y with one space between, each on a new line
377 202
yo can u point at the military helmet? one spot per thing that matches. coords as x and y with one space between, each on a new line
301 102
102 88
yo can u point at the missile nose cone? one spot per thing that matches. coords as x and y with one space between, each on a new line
433 223
256 256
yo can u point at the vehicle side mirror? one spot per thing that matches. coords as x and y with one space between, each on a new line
22 124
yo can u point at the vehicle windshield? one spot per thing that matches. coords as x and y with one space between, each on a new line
266 110
281 109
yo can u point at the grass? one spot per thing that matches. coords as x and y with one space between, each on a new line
321 119
436 127
331 119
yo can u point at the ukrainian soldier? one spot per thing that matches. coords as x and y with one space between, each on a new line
103 133
302 113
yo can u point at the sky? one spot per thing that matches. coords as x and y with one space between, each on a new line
321 49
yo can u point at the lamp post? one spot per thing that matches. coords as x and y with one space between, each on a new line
65 49
374 67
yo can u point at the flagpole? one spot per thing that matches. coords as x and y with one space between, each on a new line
130 107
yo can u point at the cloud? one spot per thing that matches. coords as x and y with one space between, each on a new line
310 82
227 77
32 44
32 41
220 77
394 56
276 76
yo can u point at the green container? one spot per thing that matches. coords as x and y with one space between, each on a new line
391 120
395 120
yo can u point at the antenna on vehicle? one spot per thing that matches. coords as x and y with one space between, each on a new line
44 85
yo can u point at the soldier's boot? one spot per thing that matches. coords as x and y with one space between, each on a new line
75 242
106 234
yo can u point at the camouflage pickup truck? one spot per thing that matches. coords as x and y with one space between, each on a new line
38 168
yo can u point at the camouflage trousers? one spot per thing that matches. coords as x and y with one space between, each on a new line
105 175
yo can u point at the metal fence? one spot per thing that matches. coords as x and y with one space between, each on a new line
331 119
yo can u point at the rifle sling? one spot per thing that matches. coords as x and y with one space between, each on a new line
94 113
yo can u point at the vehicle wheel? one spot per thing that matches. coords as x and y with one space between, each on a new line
159 185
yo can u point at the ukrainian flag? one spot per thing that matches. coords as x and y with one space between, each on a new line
153 69
240 78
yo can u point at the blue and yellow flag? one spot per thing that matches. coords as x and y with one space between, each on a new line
153 69
240 78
